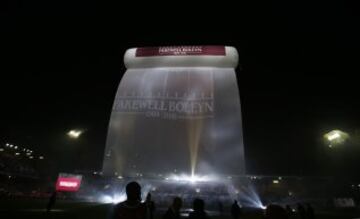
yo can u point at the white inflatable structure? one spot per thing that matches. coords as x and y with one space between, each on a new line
177 111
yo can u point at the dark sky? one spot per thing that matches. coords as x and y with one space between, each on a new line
61 64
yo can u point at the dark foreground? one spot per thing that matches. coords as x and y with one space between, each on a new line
66 209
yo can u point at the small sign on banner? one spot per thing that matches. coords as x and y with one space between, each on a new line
68 182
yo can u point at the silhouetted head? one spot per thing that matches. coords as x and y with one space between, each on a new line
198 205
275 212
177 203
133 191
235 202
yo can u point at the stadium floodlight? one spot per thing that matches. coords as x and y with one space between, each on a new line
275 181
75 133
7 144
336 137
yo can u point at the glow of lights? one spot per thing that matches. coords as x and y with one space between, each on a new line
116 198
41 157
194 128
197 190
280 178
119 177
275 181
17 154
191 179
335 137
11 146
31 157
1 149
28 154
248 195
74 133
16 147
7 144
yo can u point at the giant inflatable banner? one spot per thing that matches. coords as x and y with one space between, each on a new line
176 111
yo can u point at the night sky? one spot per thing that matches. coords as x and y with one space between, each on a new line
61 65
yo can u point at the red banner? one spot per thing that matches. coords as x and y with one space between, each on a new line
180 51
68 183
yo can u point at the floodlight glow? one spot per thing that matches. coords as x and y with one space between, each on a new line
275 181
191 178
74 133
1 149
117 198
336 137
333 136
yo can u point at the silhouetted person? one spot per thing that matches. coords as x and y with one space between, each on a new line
150 206
132 208
174 210
51 202
275 212
301 211
310 214
199 210
235 210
